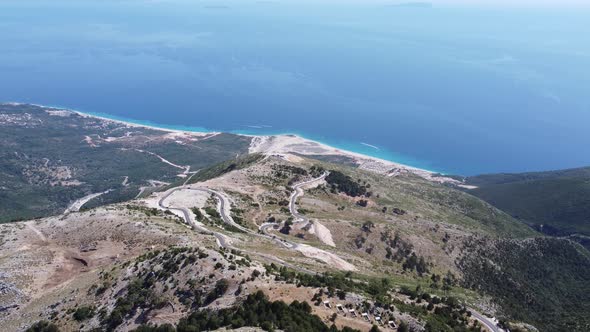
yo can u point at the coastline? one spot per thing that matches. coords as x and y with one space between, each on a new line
277 144
133 123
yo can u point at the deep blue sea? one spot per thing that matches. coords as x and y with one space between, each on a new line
451 89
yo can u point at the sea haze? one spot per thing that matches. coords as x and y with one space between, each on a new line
444 88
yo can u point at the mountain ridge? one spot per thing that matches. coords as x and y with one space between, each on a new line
316 224
553 202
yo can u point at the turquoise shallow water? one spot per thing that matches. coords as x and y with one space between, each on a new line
369 151
449 89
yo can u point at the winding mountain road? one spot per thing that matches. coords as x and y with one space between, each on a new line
298 191
220 238
223 209
79 203
487 322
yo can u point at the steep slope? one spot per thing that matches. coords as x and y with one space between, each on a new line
128 266
543 281
556 203
194 250
419 233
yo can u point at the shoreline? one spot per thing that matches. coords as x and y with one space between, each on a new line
129 122
278 144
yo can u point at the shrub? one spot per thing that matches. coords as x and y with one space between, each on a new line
83 313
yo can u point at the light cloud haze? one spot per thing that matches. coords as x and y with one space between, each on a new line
470 3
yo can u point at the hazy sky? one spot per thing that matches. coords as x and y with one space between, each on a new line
486 3
470 3
517 3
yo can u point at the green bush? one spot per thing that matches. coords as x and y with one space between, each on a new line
83 313
255 311
43 326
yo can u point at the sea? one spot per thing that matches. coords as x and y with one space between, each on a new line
453 89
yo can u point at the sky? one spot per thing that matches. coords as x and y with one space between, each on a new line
518 3
487 3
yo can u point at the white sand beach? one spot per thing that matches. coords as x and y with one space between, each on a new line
289 146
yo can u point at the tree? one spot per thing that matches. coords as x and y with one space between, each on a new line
448 281
411 262
286 229
403 327
43 326
331 291
83 313
344 183
421 267
267 326
367 225
374 329
221 287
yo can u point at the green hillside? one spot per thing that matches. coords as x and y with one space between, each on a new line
542 281
556 202
49 158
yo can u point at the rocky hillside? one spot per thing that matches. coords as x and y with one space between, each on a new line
272 241
127 267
